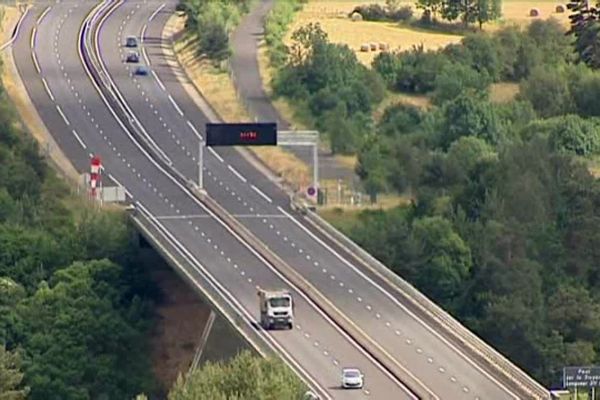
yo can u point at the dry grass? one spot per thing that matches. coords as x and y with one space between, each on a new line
217 87
333 17
503 92
10 16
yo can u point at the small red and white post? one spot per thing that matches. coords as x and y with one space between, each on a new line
95 175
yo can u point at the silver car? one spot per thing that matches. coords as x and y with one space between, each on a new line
352 378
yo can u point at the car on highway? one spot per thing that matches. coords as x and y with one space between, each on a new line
133 57
131 41
141 70
352 378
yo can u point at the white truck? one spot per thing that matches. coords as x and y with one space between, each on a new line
276 309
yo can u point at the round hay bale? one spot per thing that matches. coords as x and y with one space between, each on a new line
383 46
534 12
365 47
356 16
373 46
560 9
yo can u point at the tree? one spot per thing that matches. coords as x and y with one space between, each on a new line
444 259
11 376
585 26
572 133
470 11
548 92
455 79
244 377
371 166
469 116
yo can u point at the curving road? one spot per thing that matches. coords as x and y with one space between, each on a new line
48 60
73 110
167 112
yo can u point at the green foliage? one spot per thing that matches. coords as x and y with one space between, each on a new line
470 11
547 90
11 376
569 133
586 29
339 93
212 21
276 26
469 116
245 377
455 79
391 12
79 324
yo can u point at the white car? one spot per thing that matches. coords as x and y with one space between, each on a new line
352 378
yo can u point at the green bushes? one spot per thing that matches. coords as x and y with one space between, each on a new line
276 27
212 21
337 92
244 377
390 12
509 54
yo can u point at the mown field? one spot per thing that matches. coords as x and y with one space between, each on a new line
333 17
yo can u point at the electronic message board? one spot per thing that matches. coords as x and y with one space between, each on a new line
241 134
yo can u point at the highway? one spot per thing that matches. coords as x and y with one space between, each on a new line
75 113
166 111
73 110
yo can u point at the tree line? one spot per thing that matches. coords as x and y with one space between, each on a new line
75 306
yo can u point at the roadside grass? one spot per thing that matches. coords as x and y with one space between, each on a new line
217 87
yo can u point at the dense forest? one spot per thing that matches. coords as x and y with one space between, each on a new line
75 306
502 226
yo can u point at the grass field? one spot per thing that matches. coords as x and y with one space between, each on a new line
333 17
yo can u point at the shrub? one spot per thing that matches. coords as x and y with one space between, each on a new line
573 134
404 13
371 12
585 87
276 26
548 91
455 78
484 54
400 119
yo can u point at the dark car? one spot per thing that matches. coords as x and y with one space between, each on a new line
131 41
133 57
142 70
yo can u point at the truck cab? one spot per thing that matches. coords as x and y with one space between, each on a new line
276 309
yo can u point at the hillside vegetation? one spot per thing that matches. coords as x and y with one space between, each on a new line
75 307
502 229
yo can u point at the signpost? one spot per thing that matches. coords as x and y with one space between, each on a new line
582 377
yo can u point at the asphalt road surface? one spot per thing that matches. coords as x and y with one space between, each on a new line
81 123
74 112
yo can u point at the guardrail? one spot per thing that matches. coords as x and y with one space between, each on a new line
118 106
491 359
184 266
365 341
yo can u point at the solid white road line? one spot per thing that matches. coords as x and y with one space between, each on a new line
64 117
193 128
264 196
175 105
79 139
158 81
398 303
156 12
237 174
143 34
119 183
216 154
46 11
33 35
48 89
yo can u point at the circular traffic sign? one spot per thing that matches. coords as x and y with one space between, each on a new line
311 191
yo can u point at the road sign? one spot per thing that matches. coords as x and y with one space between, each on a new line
581 376
311 191
241 134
